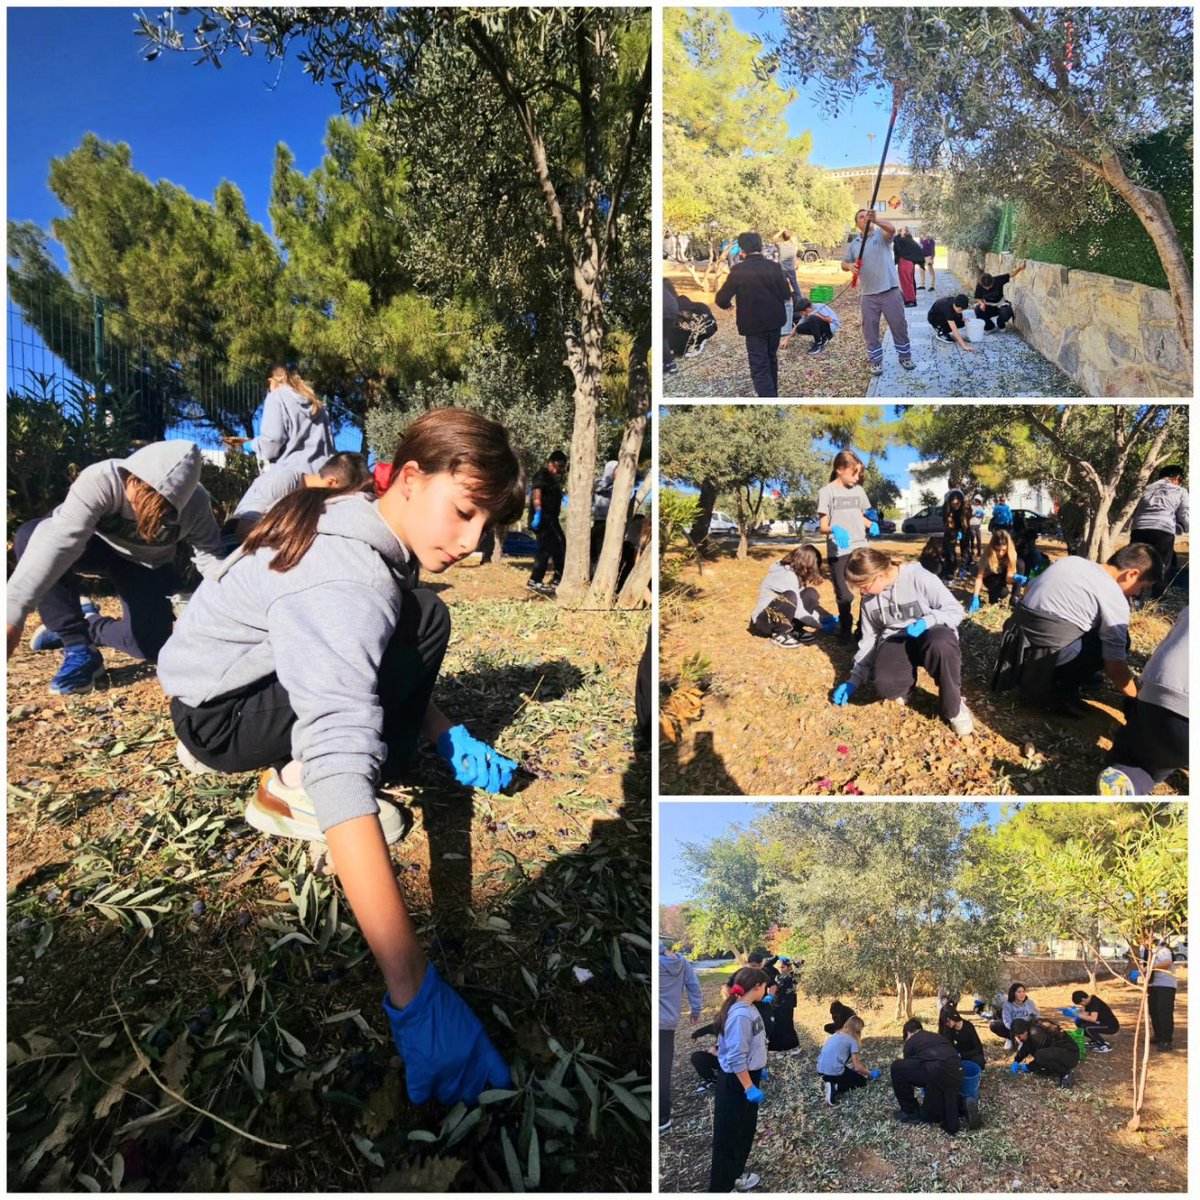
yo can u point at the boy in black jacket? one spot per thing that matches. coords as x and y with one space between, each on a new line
930 1062
761 291
1095 1019
545 504
946 317
993 310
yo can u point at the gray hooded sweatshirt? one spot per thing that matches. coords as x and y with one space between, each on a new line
270 486
916 595
675 976
97 505
1162 508
290 435
742 1045
1165 679
322 628
783 581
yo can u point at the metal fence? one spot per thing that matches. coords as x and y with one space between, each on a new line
68 345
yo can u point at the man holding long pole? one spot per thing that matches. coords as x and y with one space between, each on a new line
879 285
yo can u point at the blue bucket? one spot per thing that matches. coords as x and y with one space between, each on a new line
972 1077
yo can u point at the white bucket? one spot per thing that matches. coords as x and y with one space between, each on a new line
974 329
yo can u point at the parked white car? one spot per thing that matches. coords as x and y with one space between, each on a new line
722 525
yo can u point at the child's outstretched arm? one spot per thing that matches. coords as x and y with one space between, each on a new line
446 1053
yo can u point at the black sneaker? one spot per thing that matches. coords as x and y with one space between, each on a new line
908 1118
943 337
817 347
1067 1082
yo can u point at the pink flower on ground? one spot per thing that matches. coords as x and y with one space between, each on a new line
824 785
843 749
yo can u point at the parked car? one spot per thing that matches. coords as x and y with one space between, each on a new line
812 252
928 520
722 525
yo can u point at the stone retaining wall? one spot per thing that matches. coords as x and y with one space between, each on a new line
1111 336
1047 972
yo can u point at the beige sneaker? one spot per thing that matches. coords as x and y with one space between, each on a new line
189 762
963 724
282 811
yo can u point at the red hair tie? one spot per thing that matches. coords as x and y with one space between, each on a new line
737 990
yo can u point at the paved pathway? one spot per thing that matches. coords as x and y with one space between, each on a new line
1003 365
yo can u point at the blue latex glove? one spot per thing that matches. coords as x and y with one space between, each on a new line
873 1073
843 692
1022 579
973 607
537 519
1070 1012
768 998
828 623
841 537
474 762
872 514
765 1073
445 1051
1020 1068
755 1095
917 628
1134 976
873 529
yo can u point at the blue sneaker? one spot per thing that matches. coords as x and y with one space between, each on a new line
47 639
82 666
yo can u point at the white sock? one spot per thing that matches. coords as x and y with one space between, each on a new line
289 775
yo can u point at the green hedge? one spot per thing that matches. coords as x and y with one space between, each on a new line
1120 246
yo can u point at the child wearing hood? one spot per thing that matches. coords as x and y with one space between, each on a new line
788 610
122 518
312 657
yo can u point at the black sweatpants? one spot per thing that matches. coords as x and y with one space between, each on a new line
552 548
943 1092
780 615
147 619
666 1060
1161 1003
1094 1030
762 353
735 1121
847 1081
251 728
706 1065
937 650
1001 1030
845 597
1151 744
820 331
997 587
1164 543
994 314
1054 1060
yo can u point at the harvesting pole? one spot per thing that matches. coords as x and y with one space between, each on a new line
897 97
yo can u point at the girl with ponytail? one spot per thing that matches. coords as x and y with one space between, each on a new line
295 430
312 657
846 519
742 1066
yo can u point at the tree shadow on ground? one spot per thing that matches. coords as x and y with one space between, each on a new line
704 774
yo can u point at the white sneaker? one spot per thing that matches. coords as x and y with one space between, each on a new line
746 1183
1008 1044
963 725
664 1127
795 1053
283 811
189 762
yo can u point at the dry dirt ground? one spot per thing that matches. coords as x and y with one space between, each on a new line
151 930
768 727
1034 1138
721 370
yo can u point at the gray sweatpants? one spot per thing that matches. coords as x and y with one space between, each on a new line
890 306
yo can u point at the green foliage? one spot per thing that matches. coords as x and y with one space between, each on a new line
53 433
741 449
734 900
876 887
676 512
227 485
1049 142
728 163
1108 238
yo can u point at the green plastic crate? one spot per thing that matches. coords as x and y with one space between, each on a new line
821 295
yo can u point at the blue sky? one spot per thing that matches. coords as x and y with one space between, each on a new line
73 71
77 70
843 142
701 822
894 464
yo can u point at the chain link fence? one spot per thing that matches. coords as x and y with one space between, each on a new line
66 345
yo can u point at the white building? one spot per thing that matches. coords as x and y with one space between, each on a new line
1020 495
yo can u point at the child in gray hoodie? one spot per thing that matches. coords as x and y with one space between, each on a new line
295 429
122 518
311 652
742 1062
909 620
788 610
